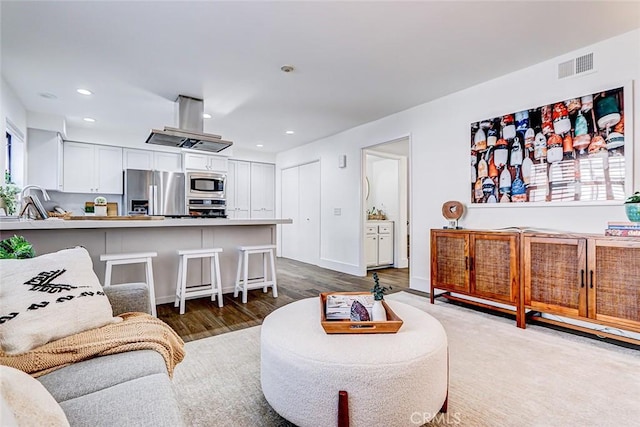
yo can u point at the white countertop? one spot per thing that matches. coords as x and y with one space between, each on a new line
60 224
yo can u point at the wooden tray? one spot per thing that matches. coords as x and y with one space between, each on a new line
112 207
390 326
117 218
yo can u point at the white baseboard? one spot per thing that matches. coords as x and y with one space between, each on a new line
402 263
340 266
419 284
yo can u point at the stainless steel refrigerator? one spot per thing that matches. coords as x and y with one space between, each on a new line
154 192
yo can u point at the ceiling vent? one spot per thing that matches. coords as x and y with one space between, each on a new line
572 67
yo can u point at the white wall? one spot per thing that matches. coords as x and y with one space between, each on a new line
12 110
384 186
439 133
382 174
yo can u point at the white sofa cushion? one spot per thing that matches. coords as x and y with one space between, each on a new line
49 297
25 402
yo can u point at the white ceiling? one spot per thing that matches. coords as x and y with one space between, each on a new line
355 61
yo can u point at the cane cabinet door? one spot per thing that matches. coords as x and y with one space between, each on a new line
450 260
614 282
494 266
554 275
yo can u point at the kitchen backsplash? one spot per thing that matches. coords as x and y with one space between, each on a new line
74 202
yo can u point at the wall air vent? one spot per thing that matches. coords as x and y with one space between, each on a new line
566 69
584 63
575 66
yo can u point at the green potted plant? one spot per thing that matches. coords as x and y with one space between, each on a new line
100 206
16 247
378 313
632 207
8 198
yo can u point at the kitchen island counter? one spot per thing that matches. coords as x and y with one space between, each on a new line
60 224
164 236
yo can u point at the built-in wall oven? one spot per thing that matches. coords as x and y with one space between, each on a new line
206 185
207 208
206 194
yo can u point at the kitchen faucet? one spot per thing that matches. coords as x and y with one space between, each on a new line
45 195
34 201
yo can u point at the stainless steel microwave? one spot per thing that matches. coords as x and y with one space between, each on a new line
206 185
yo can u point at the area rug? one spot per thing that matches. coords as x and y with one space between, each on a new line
500 375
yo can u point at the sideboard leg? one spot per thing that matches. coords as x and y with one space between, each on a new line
343 409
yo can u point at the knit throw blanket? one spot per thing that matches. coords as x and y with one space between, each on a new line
138 331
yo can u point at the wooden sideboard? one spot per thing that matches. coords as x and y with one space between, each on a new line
586 277
480 264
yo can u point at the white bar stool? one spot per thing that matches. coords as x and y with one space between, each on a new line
133 258
243 283
214 289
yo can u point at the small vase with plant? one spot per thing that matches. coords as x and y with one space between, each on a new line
632 207
377 311
100 206
8 198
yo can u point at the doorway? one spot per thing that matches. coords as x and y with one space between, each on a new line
385 177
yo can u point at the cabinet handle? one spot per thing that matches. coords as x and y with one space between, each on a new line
582 278
591 279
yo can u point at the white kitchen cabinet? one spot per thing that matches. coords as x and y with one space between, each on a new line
205 162
238 189
169 162
385 244
137 159
45 157
371 249
379 243
262 190
151 160
91 168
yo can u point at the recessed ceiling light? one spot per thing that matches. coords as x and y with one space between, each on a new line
287 68
206 115
89 119
259 145
289 132
48 95
84 91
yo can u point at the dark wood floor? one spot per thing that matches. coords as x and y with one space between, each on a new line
296 280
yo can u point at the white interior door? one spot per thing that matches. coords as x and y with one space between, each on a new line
301 202
309 179
290 200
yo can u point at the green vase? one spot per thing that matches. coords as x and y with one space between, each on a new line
633 211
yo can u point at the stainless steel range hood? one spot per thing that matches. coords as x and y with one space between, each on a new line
189 133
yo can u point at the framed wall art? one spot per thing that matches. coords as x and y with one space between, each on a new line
571 150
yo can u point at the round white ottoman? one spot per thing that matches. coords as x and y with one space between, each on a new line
396 379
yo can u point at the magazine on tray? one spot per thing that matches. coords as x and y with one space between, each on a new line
338 306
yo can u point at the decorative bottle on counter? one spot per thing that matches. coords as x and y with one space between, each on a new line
378 312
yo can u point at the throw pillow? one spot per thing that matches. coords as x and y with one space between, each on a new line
49 297
25 401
